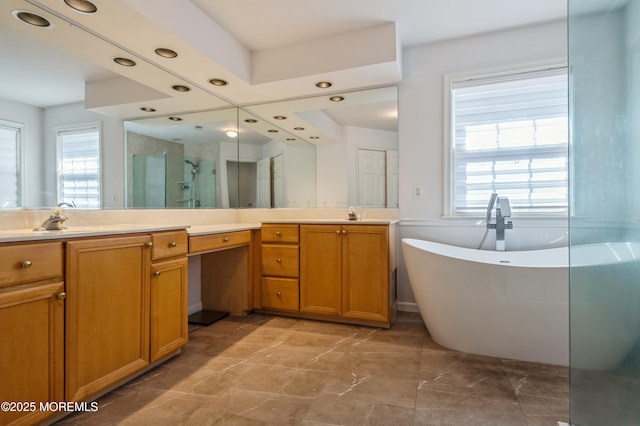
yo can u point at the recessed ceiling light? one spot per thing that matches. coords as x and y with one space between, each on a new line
272 131
298 128
251 120
148 109
32 19
231 133
175 118
336 99
166 53
324 84
218 82
125 62
83 6
314 137
180 88
279 117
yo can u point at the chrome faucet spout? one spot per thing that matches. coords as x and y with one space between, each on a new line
503 209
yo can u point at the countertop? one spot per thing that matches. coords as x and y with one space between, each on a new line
18 235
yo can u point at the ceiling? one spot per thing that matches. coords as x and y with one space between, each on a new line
267 49
261 24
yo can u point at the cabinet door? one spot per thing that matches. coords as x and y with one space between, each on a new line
107 317
365 272
320 270
169 317
31 348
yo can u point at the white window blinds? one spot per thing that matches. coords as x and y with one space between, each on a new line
79 167
510 136
10 191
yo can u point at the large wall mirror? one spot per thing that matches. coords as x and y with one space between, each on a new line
329 151
353 138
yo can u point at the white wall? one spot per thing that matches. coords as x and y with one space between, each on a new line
421 135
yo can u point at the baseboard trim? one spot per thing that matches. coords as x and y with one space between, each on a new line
408 307
192 309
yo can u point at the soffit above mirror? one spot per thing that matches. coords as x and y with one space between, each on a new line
208 51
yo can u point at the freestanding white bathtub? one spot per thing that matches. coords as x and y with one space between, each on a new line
516 304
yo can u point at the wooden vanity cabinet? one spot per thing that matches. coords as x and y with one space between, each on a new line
345 272
107 316
280 267
32 301
169 284
126 307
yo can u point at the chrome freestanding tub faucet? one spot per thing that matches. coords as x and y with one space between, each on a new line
503 210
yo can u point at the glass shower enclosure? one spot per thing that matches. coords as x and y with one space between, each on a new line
604 254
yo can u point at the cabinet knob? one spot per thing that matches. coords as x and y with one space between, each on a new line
278 294
278 260
278 233
344 232
26 264
338 232
149 244
172 244
156 273
62 296
225 240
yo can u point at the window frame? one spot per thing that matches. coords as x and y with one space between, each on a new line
449 131
79 128
20 149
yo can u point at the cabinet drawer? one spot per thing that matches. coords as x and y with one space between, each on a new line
30 262
220 241
169 244
279 233
280 260
280 293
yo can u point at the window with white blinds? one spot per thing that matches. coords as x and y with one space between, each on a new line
79 167
10 176
509 135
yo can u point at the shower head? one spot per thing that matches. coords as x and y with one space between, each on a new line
195 167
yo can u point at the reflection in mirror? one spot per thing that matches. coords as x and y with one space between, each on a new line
183 161
355 136
280 168
63 77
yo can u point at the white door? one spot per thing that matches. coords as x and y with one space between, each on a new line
371 178
263 189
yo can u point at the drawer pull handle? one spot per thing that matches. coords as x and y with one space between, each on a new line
225 240
62 296
156 273
278 233
26 264
149 244
278 294
279 260
172 244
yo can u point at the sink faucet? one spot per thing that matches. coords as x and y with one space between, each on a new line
72 204
503 210
54 222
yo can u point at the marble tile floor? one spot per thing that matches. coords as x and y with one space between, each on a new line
267 370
